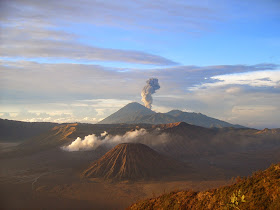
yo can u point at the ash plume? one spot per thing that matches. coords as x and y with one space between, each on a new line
148 90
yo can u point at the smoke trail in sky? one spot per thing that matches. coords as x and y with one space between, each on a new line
148 90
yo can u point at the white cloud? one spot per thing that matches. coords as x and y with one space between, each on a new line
32 31
267 78
233 90
90 111
253 110
191 16
257 116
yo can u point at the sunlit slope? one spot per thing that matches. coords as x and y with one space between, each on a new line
259 191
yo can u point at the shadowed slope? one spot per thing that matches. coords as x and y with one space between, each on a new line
132 161
18 131
54 138
186 140
200 119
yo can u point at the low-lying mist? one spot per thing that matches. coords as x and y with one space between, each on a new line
181 145
93 141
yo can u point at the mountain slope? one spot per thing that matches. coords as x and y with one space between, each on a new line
133 161
156 118
135 113
266 131
260 191
127 114
185 129
186 141
200 119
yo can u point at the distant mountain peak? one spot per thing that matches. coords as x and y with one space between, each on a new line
135 105
128 114
134 113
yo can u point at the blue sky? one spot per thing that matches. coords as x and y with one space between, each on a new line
66 61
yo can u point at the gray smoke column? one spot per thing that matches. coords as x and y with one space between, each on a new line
148 90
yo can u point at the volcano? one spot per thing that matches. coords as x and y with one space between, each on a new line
134 161
128 114
135 113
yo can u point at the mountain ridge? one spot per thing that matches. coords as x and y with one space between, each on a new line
19 131
134 113
259 191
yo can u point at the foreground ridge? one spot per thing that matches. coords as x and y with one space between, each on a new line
259 191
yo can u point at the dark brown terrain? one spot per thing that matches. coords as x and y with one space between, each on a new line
17 131
37 173
134 161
